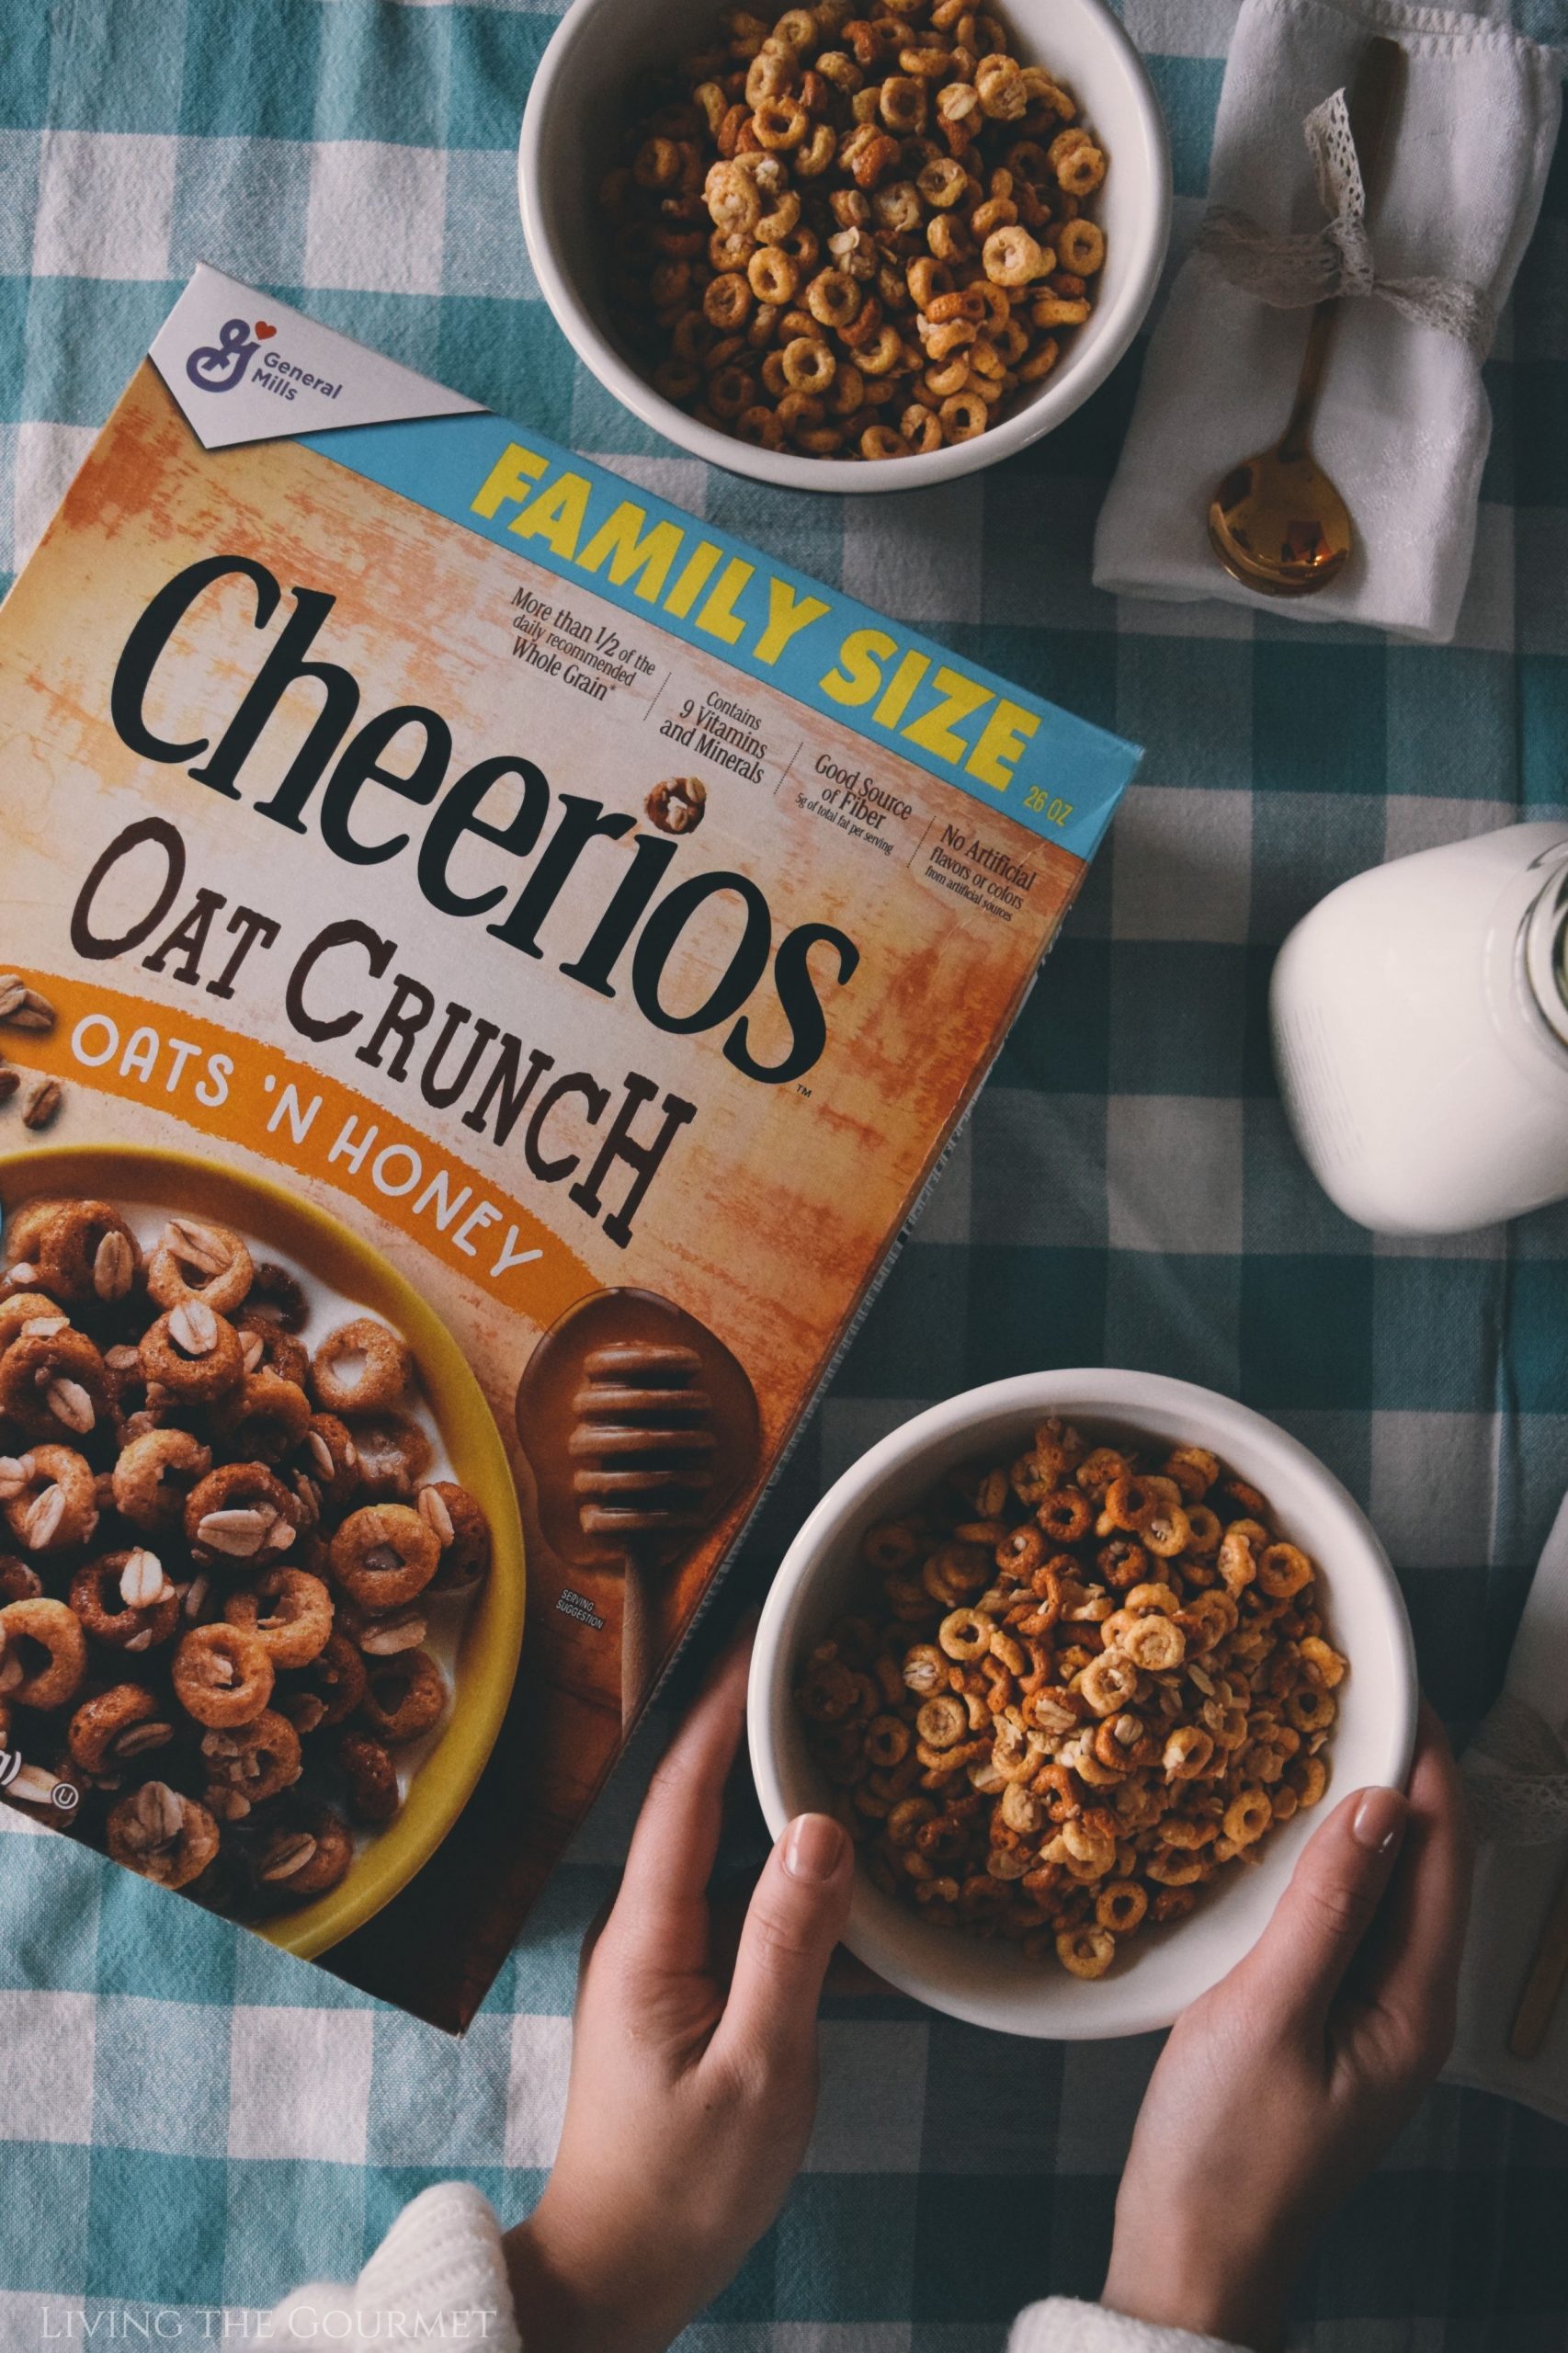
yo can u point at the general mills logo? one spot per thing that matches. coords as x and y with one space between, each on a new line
29 1781
219 367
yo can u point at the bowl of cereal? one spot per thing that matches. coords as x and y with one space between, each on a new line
795 243
1076 1657
261 1568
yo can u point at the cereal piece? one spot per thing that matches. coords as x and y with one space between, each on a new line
1085 1952
462 1532
384 1554
241 1512
251 1762
404 1697
307 1857
195 1260
115 1727
262 1420
1282 1571
53 1385
49 1498
87 1255
162 1834
329 1690
46 1643
678 805
125 1600
369 1777
393 1453
193 1353
267 1347
360 1367
289 1611
222 1674
154 1476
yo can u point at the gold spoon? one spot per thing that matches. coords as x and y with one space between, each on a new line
1277 523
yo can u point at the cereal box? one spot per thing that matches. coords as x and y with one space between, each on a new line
488 965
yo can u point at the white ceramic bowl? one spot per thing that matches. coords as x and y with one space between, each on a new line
992 1984
578 103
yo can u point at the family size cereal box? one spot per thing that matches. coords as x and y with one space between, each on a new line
488 964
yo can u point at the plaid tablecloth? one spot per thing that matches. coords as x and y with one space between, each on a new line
191 2121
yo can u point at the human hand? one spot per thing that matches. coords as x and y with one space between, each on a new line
690 2105
1278 2091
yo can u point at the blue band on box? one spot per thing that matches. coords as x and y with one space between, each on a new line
1017 756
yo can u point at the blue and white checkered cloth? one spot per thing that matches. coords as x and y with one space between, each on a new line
188 2119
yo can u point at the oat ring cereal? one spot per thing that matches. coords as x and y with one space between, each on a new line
371 1775
329 1689
1079 1687
46 1641
240 1513
173 1482
194 1353
53 1385
26 1226
115 1726
250 1763
264 1419
462 1532
289 1611
88 1253
32 1312
48 1497
359 1369
125 1600
222 1674
153 1474
404 1697
307 1859
194 1260
384 1556
864 152
163 1835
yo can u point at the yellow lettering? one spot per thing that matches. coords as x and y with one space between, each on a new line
1002 739
693 577
718 615
858 676
787 616
902 685
509 478
556 515
956 698
651 554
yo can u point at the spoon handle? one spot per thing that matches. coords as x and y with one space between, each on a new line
1371 102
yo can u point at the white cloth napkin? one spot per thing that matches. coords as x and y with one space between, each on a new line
1403 422
1515 1885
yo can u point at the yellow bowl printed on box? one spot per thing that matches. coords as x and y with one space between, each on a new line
492 1635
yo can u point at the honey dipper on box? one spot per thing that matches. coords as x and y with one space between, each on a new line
639 1427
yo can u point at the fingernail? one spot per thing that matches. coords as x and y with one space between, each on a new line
814 1848
1379 1821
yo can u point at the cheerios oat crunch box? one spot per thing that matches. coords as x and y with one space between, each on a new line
488 965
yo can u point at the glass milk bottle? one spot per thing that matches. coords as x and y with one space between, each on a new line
1420 1019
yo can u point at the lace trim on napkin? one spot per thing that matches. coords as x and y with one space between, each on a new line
1291 273
1515 1776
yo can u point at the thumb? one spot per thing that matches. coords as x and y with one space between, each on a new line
795 1918
1335 1888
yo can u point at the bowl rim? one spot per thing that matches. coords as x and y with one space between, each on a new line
1077 380
491 1640
1117 1395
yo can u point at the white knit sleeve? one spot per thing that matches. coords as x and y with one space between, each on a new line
1061 2324
440 2272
